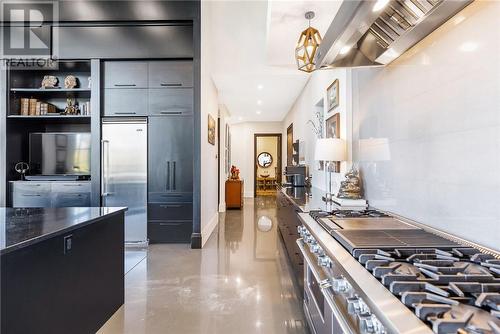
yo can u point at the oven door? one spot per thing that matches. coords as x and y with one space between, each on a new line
321 312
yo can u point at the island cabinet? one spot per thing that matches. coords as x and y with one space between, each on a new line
62 269
234 194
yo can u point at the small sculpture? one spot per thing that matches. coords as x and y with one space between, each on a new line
350 188
235 173
70 82
49 81
71 107
22 168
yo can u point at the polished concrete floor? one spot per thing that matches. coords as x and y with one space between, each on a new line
238 283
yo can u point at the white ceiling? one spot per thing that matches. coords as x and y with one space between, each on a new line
252 49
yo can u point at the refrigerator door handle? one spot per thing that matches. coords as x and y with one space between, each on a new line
173 175
167 185
104 167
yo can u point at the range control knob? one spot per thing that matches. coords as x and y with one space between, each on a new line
340 285
324 261
353 305
368 323
316 248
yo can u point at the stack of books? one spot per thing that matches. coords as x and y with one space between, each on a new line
47 108
349 204
33 107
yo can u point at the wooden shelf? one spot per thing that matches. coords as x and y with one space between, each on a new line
50 90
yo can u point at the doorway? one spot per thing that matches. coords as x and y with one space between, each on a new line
267 163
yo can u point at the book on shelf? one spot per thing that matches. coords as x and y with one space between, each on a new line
25 106
32 107
37 110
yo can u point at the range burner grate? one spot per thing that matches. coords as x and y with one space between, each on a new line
453 290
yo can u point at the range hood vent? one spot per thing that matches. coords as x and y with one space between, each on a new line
361 36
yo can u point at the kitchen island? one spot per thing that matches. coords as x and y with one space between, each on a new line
62 269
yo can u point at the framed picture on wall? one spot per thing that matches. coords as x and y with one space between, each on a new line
332 95
333 130
211 129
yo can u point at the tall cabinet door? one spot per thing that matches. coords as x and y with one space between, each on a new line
170 155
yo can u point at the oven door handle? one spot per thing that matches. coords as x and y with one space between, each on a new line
324 284
321 278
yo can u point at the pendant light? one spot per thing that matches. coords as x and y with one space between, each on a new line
307 45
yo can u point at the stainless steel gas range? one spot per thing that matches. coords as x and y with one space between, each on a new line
370 272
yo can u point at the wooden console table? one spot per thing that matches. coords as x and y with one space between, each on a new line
234 194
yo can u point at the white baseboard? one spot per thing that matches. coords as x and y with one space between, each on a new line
209 229
222 207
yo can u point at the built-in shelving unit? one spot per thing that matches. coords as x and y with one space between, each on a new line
26 83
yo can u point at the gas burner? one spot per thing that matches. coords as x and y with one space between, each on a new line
359 214
454 290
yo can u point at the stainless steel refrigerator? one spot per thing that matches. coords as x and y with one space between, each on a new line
124 172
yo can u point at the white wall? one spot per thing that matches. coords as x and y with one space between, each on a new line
304 109
209 105
438 108
223 120
242 148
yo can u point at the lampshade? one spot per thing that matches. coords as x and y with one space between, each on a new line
330 149
307 46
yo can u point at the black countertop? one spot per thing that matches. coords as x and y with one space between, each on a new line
22 227
306 199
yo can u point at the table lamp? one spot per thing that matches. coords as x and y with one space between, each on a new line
330 150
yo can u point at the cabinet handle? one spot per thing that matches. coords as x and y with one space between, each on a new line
167 186
170 206
125 113
164 84
72 185
169 224
125 85
173 175
171 112
32 195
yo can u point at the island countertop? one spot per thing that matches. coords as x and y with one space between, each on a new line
22 227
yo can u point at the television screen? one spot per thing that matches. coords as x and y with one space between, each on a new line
62 153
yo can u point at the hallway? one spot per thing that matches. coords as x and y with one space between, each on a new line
238 283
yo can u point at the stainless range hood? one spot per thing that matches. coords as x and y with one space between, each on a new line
361 35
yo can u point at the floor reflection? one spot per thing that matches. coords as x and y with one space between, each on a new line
239 283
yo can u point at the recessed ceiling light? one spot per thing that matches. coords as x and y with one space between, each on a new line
259 102
260 87
258 112
240 118
379 5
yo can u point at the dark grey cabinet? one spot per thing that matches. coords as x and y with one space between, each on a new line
171 101
165 74
126 74
27 194
125 41
170 178
170 158
125 102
